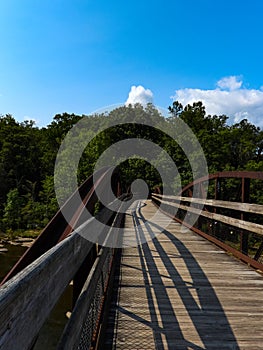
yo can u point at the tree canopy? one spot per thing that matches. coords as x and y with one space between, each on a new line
28 153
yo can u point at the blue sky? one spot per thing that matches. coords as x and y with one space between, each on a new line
81 55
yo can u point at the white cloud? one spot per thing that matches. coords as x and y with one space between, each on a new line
229 98
230 83
138 94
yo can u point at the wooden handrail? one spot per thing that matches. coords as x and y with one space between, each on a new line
98 276
27 299
58 228
198 208
238 206
241 224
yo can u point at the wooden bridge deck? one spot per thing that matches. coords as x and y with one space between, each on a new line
179 291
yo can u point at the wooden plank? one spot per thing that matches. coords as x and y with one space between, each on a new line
238 206
179 291
241 224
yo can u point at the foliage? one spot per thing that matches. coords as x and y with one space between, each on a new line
12 211
28 154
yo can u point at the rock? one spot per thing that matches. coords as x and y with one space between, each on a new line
3 250
23 240
13 243
27 244
68 314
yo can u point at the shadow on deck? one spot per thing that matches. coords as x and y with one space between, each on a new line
166 327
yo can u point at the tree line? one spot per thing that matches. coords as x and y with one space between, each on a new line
28 154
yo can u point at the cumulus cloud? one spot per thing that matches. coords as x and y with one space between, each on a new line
230 83
230 98
138 94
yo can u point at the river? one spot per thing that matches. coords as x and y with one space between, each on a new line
9 258
53 327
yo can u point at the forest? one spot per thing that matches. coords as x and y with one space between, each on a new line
28 154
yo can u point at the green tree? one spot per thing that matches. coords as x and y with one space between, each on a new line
12 210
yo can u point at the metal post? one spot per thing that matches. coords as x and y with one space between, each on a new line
244 216
82 274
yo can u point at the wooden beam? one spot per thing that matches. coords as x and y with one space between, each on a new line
27 299
245 225
238 206
94 287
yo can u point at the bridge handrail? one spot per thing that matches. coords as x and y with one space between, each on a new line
83 326
256 175
242 224
238 206
27 299
208 224
58 228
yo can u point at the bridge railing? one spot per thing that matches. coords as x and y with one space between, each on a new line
27 299
85 324
59 227
31 290
224 223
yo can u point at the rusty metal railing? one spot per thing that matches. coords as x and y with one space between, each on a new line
34 287
59 227
237 227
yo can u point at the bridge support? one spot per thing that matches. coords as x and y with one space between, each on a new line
244 216
82 274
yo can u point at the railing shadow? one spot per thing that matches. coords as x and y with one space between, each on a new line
203 314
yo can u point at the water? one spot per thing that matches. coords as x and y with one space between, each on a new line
53 327
51 331
8 259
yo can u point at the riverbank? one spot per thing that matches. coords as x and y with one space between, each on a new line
24 239
23 242
9 257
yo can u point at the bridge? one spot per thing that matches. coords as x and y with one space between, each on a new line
167 272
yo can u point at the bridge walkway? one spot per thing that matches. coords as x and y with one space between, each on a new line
179 291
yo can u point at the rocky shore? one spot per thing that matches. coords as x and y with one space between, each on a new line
21 241
3 249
